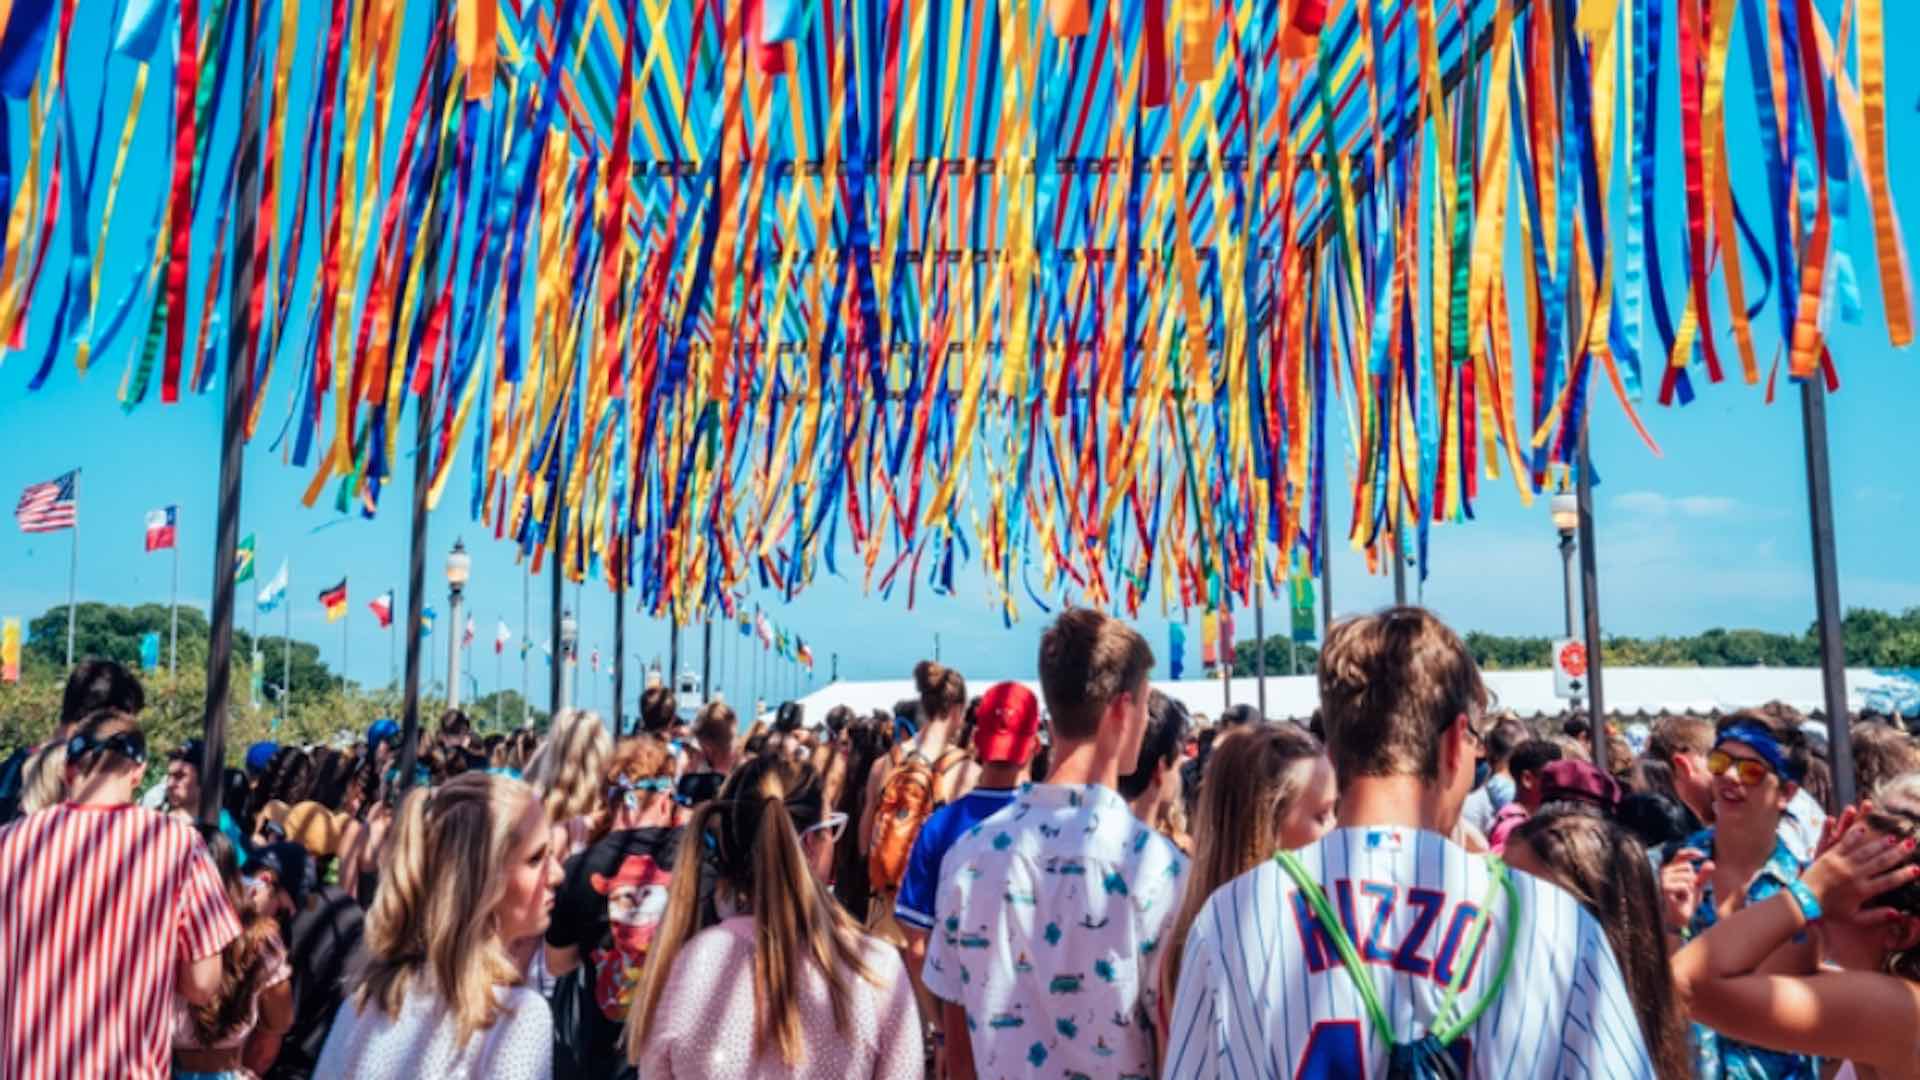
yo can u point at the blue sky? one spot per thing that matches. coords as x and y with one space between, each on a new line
1713 533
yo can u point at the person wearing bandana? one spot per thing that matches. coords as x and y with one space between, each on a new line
608 907
1757 763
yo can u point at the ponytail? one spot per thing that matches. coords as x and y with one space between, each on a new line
750 839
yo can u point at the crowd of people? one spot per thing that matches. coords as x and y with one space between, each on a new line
1090 882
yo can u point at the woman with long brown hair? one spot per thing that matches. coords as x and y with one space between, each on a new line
237 1032
1606 869
755 970
1268 787
468 872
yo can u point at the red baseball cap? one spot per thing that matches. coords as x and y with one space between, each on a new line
1006 726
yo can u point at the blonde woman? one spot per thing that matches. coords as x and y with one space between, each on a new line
1267 788
785 983
468 872
567 772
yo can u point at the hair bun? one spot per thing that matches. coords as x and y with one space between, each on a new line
927 675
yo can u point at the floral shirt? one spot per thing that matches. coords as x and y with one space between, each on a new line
1715 1056
1048 922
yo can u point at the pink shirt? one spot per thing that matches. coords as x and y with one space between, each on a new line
706 1019
103 905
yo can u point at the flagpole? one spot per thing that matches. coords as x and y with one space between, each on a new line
499 677
173 642
286 662
526 639
254 659
73 569
346 623
393 646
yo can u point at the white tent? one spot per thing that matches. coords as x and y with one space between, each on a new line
1528 693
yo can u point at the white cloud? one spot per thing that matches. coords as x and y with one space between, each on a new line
1654 504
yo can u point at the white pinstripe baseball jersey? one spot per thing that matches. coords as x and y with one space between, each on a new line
1263 993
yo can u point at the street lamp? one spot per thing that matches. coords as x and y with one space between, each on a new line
459 566
1566 520
569 639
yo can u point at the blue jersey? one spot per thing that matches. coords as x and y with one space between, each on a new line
943 827
1263 993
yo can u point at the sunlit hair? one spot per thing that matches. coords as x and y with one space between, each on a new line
1882 753
1251 780
745 845
1607 870
1896 812
941 689
43 779
1089 660
431 927
569 767
635 759
241 963
1390 684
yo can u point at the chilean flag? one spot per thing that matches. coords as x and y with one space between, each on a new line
382 607
160 528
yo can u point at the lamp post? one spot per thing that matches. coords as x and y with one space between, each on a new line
569 640
459 566
1566 520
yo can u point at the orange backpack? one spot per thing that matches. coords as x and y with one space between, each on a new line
907 799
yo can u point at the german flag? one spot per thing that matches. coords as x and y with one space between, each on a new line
335 601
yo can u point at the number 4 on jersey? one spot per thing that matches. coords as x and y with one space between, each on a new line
1336 1051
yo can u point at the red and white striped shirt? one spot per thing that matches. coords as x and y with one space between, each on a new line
102 904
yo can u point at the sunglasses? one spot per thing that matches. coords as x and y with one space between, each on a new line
833 825
1751 772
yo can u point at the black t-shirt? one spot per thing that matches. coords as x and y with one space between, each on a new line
320 942
613 897
698 787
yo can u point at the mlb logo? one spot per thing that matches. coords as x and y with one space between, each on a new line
1392 841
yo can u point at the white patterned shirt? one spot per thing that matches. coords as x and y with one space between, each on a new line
1263 991
1048 926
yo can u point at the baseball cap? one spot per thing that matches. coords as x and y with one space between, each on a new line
290 866
1006 726
382 730
260 754
1579 781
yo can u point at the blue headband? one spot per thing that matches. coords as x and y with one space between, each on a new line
1760 741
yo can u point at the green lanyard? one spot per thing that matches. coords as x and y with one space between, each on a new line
1446 1025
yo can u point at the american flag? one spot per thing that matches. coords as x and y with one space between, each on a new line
48 507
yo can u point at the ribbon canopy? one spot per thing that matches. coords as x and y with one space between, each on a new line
1100 294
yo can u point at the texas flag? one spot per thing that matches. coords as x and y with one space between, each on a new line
382 606
466 636
501 635
160 528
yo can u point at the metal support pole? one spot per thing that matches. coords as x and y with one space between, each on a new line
416 590
1566 576
673 651
706 660
1399 569
455 594
1326 571
239 378
1260 632
1826 589
1590 595
286 664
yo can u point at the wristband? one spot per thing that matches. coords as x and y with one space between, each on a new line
1803 896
